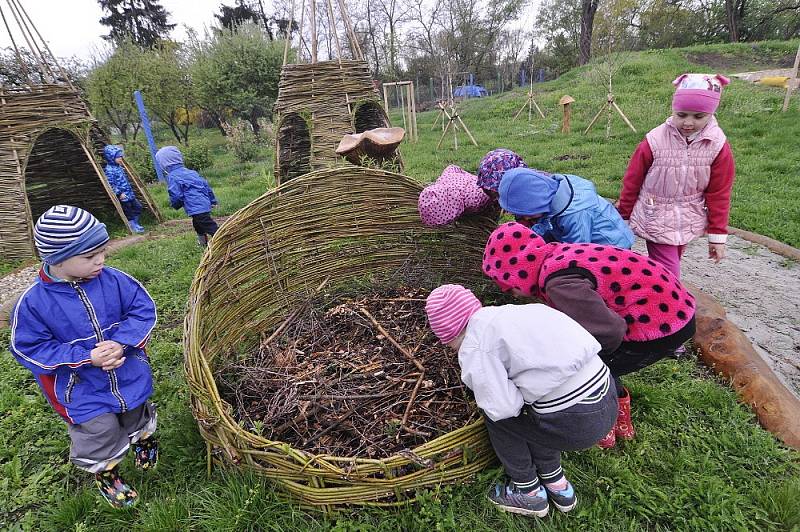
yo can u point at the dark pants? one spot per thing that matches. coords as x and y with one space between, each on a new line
132 208
529 446
203 224
633 356
101 443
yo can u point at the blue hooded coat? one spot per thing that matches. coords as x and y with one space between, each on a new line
56 324
186 187
117 177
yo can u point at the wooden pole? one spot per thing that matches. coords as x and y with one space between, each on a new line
313 31
414 112
791 83
332 20
624 118
385 100
565 125
594 119
288 36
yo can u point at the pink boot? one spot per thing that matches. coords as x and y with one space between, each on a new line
624 427
609 440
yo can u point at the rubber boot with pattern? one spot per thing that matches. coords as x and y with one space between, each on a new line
114 489
624 427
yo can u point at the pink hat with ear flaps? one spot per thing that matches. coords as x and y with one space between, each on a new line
698 92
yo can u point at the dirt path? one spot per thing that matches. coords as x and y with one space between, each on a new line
759 290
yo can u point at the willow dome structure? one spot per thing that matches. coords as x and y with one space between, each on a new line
50 148
321 101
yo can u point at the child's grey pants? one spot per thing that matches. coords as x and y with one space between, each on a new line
102 442
529 446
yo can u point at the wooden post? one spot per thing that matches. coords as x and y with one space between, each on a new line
566 102
791 83
414 112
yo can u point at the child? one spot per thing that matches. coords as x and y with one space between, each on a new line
562 208
452 195
118 179
81 329
679 180
189 190
536 375
636 309
492 167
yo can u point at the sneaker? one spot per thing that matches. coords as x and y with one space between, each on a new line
114 489
145 453
136 228
565 500
509 498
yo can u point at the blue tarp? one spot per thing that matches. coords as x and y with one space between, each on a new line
469 91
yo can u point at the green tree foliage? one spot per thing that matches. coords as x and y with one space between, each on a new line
162 74
143 22
237 72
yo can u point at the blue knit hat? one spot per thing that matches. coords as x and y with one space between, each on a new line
526 192
64 231
169 157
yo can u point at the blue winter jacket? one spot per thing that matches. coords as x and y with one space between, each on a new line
117 177
579 214
186 187
55 325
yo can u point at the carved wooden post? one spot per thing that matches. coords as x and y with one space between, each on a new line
566 101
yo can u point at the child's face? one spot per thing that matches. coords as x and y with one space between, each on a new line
456 342
86 266
528 221
118 160
690 122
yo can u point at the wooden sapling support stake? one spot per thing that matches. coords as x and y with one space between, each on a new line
610 104
529 103
792 82
566 102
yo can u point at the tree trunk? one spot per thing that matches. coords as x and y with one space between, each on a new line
733 23
588 9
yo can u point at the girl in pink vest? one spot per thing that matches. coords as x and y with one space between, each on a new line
679 180
635 308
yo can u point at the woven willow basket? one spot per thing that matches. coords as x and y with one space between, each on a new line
347 225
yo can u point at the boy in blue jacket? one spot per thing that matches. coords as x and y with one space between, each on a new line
118 179
562 208
81 329
189 190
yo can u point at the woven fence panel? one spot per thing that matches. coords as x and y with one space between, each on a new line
265 261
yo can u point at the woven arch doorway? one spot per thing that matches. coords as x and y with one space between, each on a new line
369 115
294 147
60 170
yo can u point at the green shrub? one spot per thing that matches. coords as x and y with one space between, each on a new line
137 155
242 142
197 155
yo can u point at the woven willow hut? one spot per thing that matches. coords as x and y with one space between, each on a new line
321 101
262 266
50 150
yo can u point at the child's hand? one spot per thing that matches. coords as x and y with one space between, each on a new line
716 251
214 206
107 355
123 197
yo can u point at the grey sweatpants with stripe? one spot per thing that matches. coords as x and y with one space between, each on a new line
102 442
529 446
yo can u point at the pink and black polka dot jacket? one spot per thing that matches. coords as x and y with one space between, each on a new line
646 295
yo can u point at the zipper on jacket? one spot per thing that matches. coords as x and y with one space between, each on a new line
73 380
98 333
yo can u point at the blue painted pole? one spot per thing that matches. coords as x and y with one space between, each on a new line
148 132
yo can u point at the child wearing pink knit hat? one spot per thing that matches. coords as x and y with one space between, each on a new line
678 183
543 389
636 309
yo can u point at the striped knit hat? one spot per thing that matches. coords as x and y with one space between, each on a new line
449 308
64 231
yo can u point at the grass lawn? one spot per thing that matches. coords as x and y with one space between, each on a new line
699 462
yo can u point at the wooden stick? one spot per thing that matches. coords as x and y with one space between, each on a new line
288 36
791 84
411 402
297 311
391 339
625 118
466 129
317 435
444 132
595 119
537 108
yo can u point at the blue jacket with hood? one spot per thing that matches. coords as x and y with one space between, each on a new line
579 214
117 177
55 325
186 187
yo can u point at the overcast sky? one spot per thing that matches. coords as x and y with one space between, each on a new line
72 27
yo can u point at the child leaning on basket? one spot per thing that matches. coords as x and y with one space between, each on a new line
536 375
451 196
81 329
636 309
559 207
189 190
